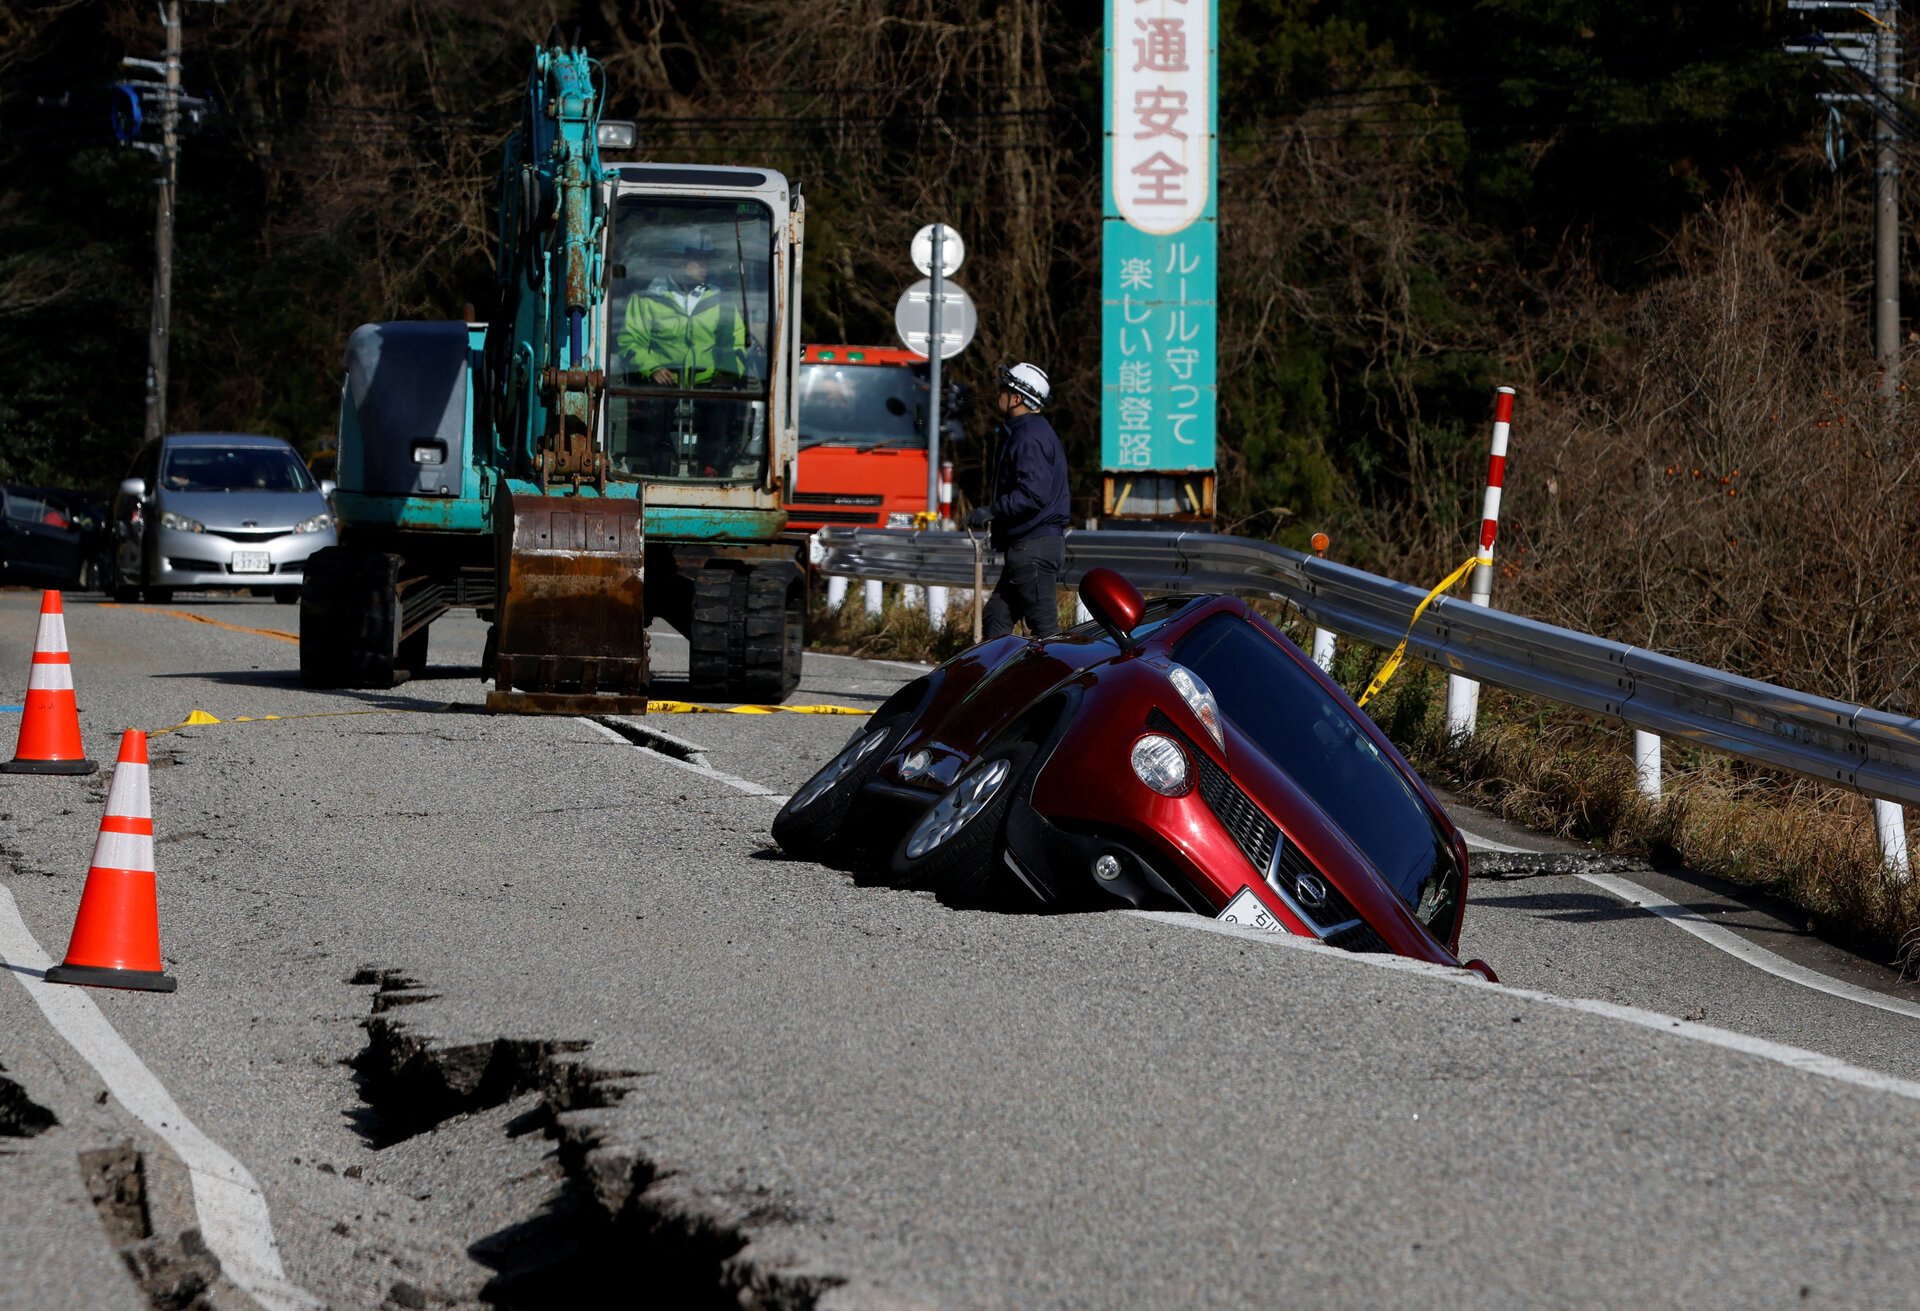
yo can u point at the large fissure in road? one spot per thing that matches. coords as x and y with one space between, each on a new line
619 1228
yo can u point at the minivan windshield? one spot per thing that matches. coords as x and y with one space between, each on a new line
1290 717
233 469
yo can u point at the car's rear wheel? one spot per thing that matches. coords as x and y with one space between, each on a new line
953 850
810 824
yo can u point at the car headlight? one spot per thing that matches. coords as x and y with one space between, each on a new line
320 523
1199 699
1161 764
180 523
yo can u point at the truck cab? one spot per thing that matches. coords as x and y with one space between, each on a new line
863 437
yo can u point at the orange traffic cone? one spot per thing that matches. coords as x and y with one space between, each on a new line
50 724
116 936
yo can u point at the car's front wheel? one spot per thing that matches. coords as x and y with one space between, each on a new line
953 849
809 825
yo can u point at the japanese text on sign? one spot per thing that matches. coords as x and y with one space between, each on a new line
1162 111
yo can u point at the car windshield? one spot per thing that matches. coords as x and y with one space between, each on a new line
690 316
863 404
1290 717
233 469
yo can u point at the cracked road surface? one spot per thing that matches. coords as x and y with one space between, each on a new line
497 1010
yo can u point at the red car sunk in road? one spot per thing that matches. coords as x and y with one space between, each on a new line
1174 754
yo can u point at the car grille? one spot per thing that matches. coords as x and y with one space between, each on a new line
1360 937
832 498
1335 913
240 535
195 566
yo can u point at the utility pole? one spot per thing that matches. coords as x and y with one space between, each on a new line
1872 59
161 322
1886 206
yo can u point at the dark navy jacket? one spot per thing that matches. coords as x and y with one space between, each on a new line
1029 483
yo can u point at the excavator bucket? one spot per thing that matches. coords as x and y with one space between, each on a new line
570 630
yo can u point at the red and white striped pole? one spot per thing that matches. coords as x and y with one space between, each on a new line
946 493
1463 694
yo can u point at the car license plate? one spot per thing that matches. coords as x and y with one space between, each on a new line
1248 910
252 562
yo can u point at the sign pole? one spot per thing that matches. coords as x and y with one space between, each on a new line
935 349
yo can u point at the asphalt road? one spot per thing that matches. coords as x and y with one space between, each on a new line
520 1011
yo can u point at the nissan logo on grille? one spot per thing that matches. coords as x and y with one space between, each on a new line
1310 890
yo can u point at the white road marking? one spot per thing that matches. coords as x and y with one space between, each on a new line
747 786
1738 947
232 1209
1796 1058
1720 937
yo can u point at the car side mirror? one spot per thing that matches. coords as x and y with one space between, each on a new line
1114 602
327 488
134 487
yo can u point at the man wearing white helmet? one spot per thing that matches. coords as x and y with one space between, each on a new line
1028 510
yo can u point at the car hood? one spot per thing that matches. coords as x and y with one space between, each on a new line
266 510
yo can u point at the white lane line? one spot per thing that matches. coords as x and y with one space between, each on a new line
232 1209
1738 947
747 786
1721 937
1476 842
1795 1058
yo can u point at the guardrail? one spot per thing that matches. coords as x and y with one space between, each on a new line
1851 746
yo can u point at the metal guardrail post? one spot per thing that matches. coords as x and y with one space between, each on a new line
836 593
874 597
937 608
1890 826
1646 764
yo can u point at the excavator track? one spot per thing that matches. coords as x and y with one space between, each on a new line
747 633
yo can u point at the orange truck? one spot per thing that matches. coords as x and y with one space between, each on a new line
863 437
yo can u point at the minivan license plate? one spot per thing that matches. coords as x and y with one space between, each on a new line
252 562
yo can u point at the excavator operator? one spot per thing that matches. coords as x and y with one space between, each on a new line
680 330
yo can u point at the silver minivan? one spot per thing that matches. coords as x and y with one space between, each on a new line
215 511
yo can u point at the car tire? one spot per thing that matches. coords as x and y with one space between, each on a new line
809 825
963 866
287 595
159 595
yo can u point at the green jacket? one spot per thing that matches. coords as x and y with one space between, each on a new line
660 332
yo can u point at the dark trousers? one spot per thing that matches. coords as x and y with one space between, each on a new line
1026 589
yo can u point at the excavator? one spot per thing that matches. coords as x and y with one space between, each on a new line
611 445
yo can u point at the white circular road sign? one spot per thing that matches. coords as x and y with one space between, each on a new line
953 251
913 318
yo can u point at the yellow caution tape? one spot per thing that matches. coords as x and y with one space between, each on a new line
196 718
694 708
1399 652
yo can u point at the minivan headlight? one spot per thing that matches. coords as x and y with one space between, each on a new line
1199 699
180 523
320 523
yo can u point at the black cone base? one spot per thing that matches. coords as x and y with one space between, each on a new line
49 767
94 976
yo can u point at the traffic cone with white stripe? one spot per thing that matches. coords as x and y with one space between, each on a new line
116 936
50 722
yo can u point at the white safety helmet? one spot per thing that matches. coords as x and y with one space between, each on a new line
1029 382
